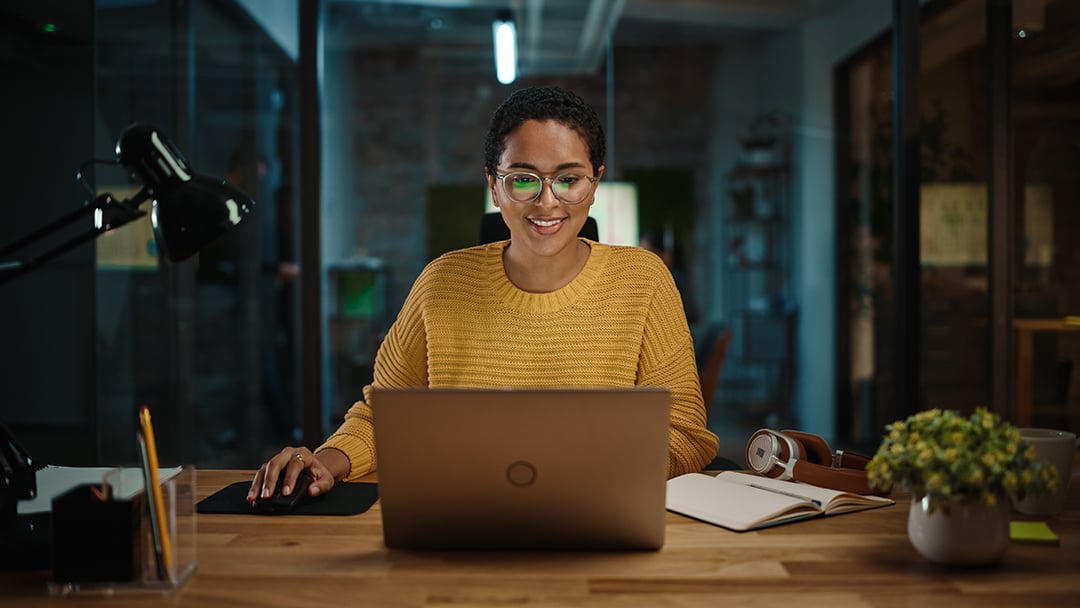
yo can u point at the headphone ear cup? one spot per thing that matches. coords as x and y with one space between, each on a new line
814 448
800 447
772 453
760 450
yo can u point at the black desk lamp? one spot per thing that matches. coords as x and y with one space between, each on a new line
17 482
189 210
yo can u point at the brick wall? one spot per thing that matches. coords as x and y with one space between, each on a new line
415 118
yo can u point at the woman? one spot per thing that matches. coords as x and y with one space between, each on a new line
545 308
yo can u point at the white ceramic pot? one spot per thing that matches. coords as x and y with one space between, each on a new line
968 535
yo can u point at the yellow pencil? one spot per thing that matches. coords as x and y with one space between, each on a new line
155 489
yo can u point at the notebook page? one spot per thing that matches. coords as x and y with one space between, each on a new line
732 505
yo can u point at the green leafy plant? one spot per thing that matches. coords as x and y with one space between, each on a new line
946 457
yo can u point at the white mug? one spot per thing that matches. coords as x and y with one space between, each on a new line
1057 448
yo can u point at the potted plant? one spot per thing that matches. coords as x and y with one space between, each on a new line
960 472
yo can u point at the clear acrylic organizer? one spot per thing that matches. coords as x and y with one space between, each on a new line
178 493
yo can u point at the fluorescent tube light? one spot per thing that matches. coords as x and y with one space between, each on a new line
505 34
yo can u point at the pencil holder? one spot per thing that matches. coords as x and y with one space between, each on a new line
105 542
96 539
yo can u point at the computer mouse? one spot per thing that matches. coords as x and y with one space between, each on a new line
283 505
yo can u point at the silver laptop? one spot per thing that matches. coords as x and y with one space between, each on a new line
522 468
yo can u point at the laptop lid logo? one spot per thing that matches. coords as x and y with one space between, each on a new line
521 474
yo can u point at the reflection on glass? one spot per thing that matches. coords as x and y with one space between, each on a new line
208 343
954 248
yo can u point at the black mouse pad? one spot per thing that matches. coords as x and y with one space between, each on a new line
344 499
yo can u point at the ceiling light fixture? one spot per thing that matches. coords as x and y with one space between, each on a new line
505 34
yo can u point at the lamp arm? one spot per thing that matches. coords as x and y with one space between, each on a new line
86 209
108 212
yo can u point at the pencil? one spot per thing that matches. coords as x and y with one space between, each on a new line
155 532
791 494
155 489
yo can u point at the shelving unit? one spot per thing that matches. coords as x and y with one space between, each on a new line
356 321
758 295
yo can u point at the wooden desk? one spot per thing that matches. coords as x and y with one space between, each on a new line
859 559
1025 330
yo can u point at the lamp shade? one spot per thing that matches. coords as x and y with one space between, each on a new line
190 210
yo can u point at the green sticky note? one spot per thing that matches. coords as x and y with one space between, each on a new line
1032 533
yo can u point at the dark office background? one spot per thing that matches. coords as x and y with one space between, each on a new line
214 346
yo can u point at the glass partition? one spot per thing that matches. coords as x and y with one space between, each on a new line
722 135
409 92
954 245
208 344
1046 145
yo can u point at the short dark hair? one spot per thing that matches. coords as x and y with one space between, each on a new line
544 103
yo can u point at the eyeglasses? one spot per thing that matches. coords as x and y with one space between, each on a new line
526 187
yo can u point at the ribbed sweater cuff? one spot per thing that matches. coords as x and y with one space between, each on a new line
356 451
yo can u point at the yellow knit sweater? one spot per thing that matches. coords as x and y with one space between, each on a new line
620 322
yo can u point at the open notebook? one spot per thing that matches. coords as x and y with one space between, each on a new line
743 501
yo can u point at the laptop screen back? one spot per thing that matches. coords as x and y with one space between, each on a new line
522 468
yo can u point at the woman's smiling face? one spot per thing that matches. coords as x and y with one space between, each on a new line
546 226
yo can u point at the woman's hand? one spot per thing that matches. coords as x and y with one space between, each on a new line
287 464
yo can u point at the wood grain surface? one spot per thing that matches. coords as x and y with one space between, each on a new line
859 560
